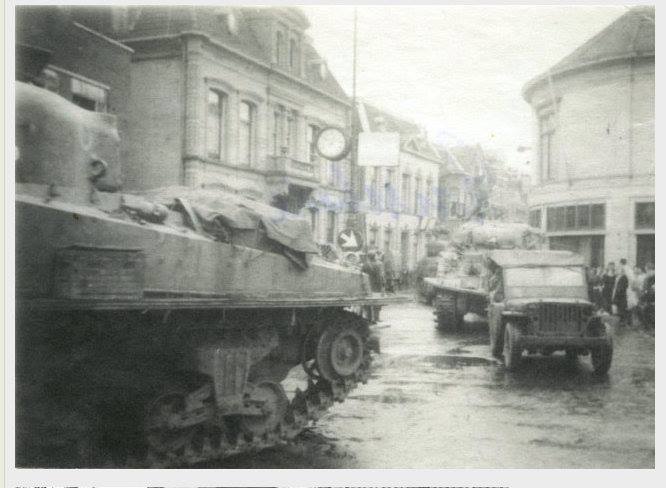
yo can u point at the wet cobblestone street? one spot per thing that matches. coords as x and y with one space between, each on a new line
438 400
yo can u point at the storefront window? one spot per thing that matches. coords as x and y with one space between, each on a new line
644 215
573 218
535 218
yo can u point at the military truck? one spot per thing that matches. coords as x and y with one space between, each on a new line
157 329
460 286
539 303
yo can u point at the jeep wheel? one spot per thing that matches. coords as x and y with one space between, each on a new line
513 350
445 312
602 356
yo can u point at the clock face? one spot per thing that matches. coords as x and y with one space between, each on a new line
332 143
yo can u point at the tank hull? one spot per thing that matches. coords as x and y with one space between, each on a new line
176 262
216 326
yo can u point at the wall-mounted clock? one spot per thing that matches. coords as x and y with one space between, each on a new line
332 143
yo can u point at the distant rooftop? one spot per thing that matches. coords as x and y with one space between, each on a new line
156 21
630 36
412 136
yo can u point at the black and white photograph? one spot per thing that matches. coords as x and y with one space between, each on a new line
329 237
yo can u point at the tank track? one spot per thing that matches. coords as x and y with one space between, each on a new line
307 406
446 318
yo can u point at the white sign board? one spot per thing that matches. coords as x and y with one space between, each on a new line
378 149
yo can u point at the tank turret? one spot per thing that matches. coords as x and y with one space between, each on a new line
61 144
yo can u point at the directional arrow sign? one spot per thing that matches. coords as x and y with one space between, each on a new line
350 240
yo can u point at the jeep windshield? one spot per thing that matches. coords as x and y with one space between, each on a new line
545 282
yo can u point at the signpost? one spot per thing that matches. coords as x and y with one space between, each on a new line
350 240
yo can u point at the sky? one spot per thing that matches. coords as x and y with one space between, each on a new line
456 70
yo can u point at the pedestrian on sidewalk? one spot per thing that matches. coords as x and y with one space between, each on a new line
375 273
620 292
389 272
634 293
608 280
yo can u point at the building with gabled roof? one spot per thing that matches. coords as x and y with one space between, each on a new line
400 202
232 97
595 187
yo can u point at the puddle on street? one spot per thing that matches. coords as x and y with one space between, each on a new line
457 362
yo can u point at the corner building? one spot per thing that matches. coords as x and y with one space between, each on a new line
595 184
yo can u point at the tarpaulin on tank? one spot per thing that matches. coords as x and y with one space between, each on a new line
493 234
238 212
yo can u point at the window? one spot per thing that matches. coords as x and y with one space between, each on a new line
88 96
644 215
278 129
374 188
246 131
313 130
314 221
598 216
546 134
535 218
583 217
330 173
330 229
406 192
572 218
388 236
294 56
417 197
389 191
292 133
280 48
372 238
215 127
429 200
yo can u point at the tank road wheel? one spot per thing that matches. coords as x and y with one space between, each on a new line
161 425
513 350
339 352
445 312
602 356
274 405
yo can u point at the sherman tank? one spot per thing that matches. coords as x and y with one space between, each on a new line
461 282
157 329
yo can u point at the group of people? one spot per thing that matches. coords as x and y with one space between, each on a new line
621 290
380 269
